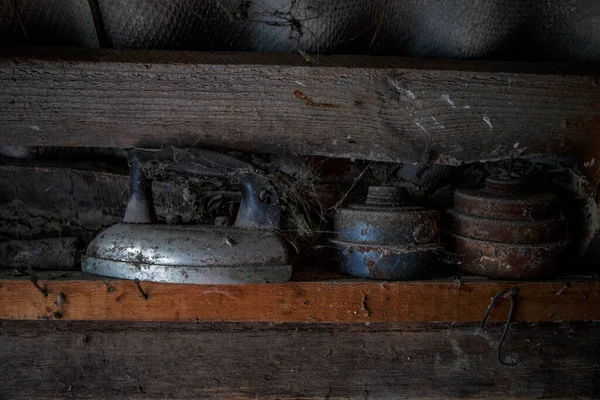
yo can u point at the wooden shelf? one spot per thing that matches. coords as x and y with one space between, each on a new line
115 360
375 108
337 301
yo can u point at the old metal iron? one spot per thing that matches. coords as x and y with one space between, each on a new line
387 237
504 231
141 249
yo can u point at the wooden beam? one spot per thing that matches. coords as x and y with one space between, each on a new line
333 301
300 361
375 108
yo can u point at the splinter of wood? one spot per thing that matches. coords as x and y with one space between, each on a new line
34 280
144 294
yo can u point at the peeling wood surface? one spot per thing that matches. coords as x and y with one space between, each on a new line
334 301
300 361
375 108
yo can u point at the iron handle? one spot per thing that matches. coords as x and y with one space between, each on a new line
259 207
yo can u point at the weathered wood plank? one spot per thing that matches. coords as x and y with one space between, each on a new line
334 301
309 361
387 109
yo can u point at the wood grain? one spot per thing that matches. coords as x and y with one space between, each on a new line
335 301
52 360
387 109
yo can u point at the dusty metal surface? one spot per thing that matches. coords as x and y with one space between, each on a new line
506 198
188 254
386 238
503 231
388 262
509 231
247 253
509 261
489 205
387 226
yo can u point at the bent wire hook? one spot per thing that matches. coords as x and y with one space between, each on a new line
510 294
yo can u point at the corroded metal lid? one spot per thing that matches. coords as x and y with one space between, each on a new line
506 198
188 254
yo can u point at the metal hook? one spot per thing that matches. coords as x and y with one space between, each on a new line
139 286
34 280
510 294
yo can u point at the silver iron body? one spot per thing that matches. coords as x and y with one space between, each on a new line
250 252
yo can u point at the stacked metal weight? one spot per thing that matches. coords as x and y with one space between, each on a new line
505 232
386 238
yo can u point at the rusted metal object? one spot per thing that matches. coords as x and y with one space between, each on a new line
505 232
387 238
509 231
507 260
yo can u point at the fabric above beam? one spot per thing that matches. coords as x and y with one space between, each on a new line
374 108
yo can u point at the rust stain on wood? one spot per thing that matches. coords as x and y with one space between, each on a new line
337 302
310 102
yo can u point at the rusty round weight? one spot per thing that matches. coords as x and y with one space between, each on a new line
505 232
503 184
508 260
386 196
391 262
506 198
386 238
366 224
508 231
515 207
